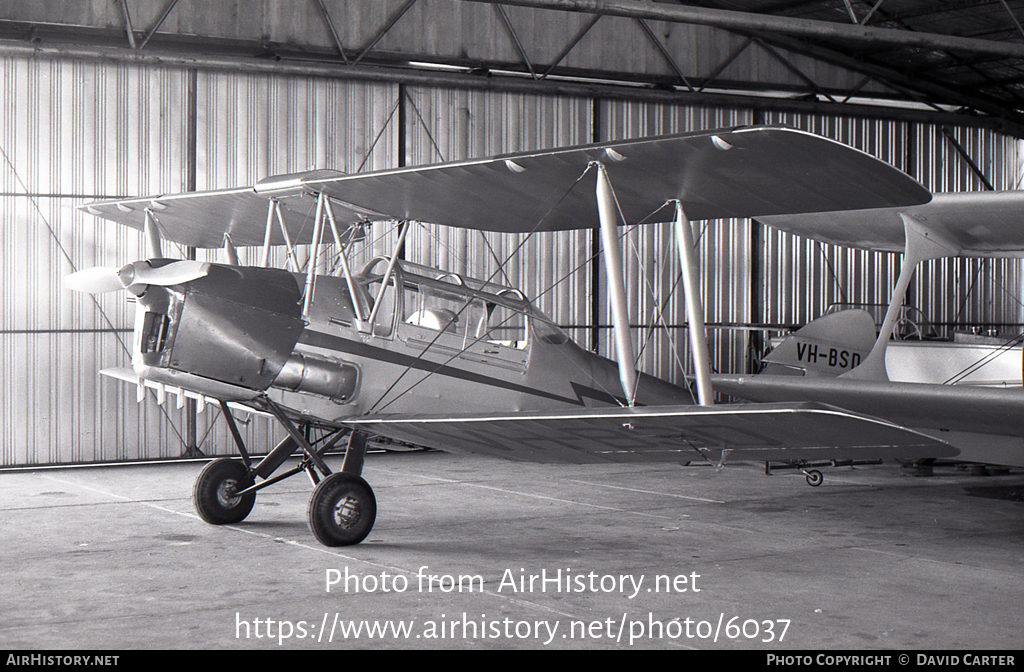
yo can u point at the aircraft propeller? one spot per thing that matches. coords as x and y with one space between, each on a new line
102 279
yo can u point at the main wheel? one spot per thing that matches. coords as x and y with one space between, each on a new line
814 478
342 510
214 492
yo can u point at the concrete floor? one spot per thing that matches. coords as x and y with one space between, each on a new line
114 557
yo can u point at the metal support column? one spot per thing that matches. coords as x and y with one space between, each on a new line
595 245
191 147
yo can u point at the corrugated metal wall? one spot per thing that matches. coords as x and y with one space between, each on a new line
73 131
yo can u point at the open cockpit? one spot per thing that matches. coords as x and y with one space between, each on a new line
416 303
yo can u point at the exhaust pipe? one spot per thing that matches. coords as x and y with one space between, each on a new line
336 380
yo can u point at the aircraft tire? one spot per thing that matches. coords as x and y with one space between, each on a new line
212 493
342 510
814 478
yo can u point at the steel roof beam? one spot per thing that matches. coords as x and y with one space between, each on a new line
128 23
815 89
867 17
767 23
515 39
572 45
726 63
334 31
664 52
1013 17
159 22
903 82
72 45
384 31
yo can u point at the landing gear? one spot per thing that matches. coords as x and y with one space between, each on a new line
215 493
813 476
342 510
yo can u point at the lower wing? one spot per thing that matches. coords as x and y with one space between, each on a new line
798 431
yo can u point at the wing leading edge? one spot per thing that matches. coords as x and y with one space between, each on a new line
742 172
664 434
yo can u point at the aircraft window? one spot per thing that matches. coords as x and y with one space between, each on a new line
154 332
507 327
438 319
549 333
439 310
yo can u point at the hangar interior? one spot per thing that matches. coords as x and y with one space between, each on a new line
119 98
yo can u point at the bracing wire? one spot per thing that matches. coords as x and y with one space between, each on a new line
490 278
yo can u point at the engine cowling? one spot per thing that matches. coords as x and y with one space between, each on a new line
236 325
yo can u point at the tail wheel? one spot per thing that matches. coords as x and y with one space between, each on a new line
342 510
214 492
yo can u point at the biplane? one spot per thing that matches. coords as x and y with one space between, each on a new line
980 418
450 362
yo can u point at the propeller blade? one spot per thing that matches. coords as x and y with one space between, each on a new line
105 279
174 273
98 280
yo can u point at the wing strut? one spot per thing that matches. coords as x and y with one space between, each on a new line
153 246
694 308
284 234
611 248
313 265
230 254
379 299
265 251
344 261
922 244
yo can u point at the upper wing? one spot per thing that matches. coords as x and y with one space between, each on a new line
731 173
664 434
738 173
201 218
982 223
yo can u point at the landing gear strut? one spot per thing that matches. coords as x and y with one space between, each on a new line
342 509
813 476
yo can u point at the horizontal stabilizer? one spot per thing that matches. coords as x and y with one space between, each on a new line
663 434
964 408
978 223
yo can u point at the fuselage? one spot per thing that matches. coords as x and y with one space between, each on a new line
438 343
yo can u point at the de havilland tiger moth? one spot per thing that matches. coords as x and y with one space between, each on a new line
449 362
